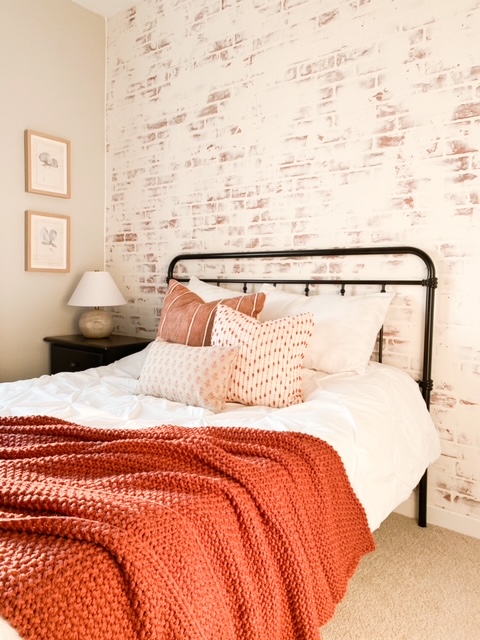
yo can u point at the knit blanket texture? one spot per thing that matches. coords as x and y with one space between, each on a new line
177 533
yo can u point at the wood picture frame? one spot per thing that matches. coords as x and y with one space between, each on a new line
47 242
47 165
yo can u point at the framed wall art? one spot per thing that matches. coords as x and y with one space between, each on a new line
47 242
47 165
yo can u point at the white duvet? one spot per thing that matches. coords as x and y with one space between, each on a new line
377 422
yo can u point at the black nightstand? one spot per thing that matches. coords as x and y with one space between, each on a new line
76 353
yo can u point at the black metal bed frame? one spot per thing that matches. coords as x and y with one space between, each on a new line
429 283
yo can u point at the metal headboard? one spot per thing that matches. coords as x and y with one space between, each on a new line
429 283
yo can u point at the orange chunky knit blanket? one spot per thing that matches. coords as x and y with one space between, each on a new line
172 533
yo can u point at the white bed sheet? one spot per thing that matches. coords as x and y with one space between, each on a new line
377 422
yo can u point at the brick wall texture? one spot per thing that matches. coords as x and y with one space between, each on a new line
245 124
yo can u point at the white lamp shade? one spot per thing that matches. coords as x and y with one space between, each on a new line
97 289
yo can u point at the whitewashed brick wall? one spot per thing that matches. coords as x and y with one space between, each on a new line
242 124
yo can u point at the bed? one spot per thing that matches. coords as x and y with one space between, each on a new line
225 481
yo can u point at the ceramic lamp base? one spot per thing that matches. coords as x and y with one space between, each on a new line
96 323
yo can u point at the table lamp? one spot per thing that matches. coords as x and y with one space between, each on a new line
96 289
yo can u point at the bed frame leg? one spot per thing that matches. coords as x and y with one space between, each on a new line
422 501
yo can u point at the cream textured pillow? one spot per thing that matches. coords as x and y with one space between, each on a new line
197 376
268 367
345 330
187 319
210 292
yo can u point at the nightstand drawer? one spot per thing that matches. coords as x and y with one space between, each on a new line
65 359
76 353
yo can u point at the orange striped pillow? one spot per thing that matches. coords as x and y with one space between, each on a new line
268 368
186 319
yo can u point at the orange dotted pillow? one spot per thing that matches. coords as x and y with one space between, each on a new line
270 354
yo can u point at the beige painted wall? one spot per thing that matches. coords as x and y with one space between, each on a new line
52 72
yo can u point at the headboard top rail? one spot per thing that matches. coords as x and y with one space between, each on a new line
430 281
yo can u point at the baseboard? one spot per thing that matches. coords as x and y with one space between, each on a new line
441 518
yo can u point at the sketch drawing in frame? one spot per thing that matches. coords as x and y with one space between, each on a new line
47 242
47 165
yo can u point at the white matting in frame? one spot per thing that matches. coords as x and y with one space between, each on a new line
47 242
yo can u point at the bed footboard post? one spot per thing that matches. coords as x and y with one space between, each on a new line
422 501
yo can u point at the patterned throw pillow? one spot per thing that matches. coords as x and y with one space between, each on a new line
268 367
197 376
186 319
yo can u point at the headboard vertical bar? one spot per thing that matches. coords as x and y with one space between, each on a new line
380 345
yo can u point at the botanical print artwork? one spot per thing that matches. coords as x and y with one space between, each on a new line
47 242
48 168
47 160
48 237
47 164
46 252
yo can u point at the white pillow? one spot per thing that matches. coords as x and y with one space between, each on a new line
196 376
268 369
210 292
346 327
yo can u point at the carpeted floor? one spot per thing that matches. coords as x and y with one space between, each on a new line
420 584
